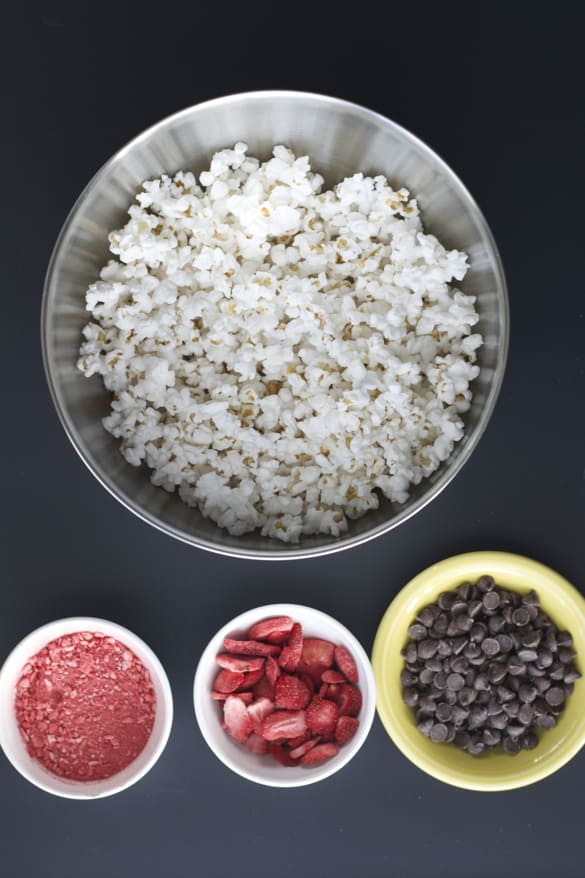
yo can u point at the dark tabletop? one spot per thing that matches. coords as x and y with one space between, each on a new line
496 90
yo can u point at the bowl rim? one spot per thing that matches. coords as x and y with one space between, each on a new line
391 626
349 750
69 624
336 544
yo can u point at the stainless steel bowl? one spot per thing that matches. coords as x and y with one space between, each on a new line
341 138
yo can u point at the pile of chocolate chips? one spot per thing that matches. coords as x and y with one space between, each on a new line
486 667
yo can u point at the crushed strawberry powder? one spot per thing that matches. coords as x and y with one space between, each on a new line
85 706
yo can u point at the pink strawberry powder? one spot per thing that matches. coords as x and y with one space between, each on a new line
85 706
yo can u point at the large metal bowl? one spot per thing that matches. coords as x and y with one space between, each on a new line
341 138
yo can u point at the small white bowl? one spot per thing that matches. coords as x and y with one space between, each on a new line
13 744
264 769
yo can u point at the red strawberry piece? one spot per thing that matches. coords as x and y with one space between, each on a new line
250 679
239 665
349 700
256 744
346 728
237 721
272 670
333 677
250 647
264 689
291 653
274 630
282 755
319 754
291 693
283 724
300 739
228 681
246 697
322 716
346 664
333 692
299 751
317 657
308 680
324 689
258 711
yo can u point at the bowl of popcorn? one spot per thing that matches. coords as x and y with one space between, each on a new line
284 695
478 664
275 325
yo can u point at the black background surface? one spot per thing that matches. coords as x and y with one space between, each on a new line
496 89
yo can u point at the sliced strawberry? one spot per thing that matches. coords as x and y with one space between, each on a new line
281 754
346 728
274 630
333 690
323 690
258 711
333 677
308 681
250 680
291 693
283 724
317 657
299 751
264 689
228 681
256 744
346 664
250 647
300 739
272 670
246 697
349 700
322 716
239 665
319 754
291 653
237 721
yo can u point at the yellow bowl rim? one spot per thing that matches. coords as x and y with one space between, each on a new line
464 566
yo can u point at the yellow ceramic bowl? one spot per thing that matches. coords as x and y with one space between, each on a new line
492 770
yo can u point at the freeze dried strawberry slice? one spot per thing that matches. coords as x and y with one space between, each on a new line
317 656
324 688
283 724
239 665
258 711
264 689
250 647
308 681
299 751
333 692
291 693
246 697
281 754
333 677
349 700
274 630
346 664
272 670
319 754
322 716
228 681
256 744
291 653
250 680
300 739
237 721
346 728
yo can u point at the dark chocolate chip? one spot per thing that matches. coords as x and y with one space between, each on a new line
459 644
426 677
407 678
462 740
477 632
531 638
455 682
467 696
525 715
439 733
546 721
498 721
446 599
529 741
474 608
463 622
428 615
506 642
444 712
527 655
492 737
510 745
485 583
571 675
491 601
496 672
464 590
490 645
554 696
527 693
544 659
425 726
495 624
427 649
417 631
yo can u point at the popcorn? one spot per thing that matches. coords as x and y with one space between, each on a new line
282 357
